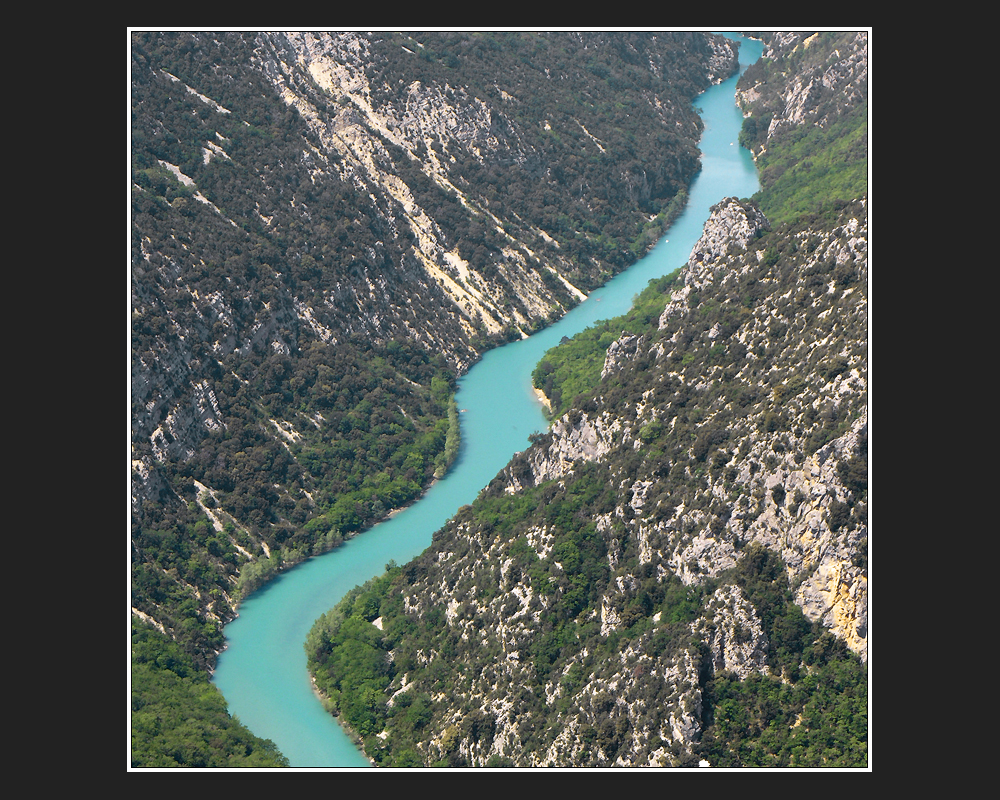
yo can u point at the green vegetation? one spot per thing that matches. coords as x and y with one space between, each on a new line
807 169
572 369
815 169
452 441
179 719
820 720
814 715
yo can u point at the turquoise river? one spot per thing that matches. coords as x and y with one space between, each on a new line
262 672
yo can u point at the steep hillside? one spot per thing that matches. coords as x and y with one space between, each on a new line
808 126
327 229
678 569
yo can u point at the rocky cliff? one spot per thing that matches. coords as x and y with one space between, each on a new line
770 456
738 425
805 78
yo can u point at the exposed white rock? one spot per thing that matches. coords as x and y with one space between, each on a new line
817 94
425 115
733 633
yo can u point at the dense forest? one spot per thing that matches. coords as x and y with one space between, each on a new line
696 591
313 264
179 718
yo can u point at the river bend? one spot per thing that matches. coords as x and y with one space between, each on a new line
262 673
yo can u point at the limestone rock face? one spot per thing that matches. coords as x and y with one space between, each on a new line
731 226
733 634
817 551
574 439
620 351
831 75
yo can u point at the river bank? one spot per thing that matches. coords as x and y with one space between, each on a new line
263 672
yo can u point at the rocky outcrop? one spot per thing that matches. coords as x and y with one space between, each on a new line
575 438
731 227
732 631
826 73
773 491
620 352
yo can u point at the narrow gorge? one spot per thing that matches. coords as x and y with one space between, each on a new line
331 229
